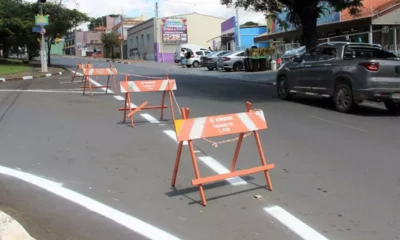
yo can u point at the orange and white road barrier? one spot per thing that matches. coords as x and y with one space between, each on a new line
88 72
81 67
157 85
189 129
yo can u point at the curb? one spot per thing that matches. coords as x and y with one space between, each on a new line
122 62
10 229
29 77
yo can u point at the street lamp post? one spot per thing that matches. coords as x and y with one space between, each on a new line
43 59
122 35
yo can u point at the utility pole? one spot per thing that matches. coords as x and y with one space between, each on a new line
238 27
122 35
43 58
156 27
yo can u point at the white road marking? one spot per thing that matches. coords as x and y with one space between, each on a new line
93 81
124 219
294 224
220 169
43 91
209 161
339 124
172 135
119 98
149 118
27 77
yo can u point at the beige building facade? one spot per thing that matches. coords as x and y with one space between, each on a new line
146 40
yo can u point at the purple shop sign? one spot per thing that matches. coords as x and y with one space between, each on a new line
228 24
174 30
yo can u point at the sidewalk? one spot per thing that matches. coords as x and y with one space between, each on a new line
10 229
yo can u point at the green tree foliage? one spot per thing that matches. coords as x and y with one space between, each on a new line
303 13
249 24
96 22
61 20
110 40
16 27
18 17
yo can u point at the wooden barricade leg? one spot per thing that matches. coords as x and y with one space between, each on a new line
170 96
126 106
84 84
108 82
115 85
130 115
162 105
185 115
177 161
171 105
239 143
263 161
90 86
76 70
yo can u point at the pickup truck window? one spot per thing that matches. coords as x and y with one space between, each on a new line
311 56
371 53
328 53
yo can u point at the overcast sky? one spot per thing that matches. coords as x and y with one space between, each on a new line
133 8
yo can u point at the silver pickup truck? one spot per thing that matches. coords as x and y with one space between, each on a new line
348 73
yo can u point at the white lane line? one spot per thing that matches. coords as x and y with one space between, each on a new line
43 91
124 219
27 77
172 135
149 118
119 98
294 224
146 116
339 124
93 81
220 169
209 161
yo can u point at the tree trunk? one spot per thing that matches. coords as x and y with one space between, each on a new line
112 52
308 16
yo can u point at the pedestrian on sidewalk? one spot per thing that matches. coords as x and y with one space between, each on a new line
183 53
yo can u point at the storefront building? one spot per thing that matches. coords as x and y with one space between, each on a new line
157 40
229 36
377 22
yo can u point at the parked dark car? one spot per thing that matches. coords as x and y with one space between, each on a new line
210 61
348 73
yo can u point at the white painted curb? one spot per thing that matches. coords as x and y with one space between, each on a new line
10 229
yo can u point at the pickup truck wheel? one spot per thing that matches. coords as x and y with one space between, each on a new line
210 68
282 88
392 106
343 98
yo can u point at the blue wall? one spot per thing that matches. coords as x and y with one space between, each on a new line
247 36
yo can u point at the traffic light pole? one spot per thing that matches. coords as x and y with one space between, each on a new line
43 58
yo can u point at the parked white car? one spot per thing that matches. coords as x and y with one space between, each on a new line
186 47
194 59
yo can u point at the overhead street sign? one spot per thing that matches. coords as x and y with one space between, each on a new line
41 20
36 29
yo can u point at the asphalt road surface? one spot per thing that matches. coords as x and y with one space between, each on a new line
74 171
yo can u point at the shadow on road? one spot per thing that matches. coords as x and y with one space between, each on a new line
360 110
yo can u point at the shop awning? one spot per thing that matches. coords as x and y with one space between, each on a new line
226 35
